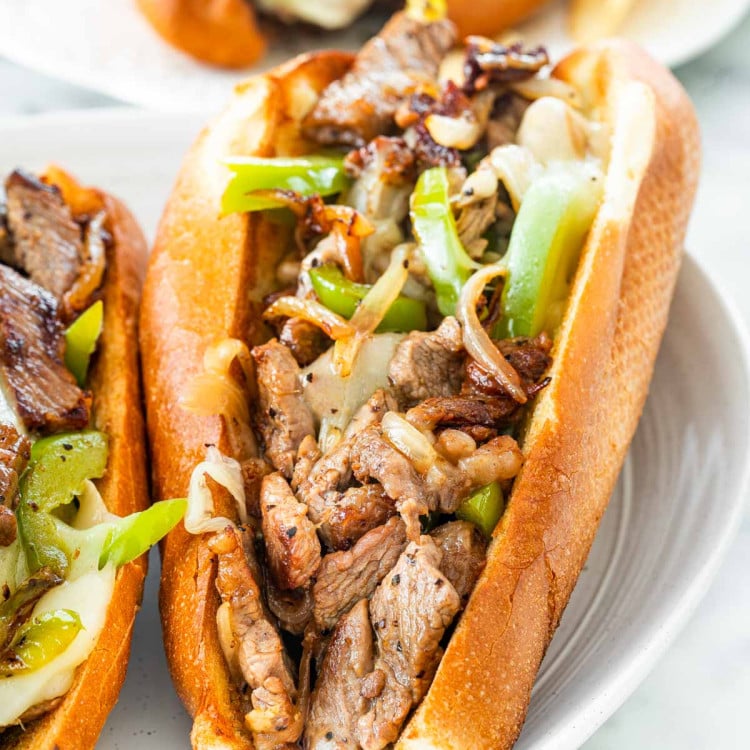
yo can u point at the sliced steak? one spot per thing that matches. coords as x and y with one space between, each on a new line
337 701
47 242
374 457
342 514
284 418
8 527
385 173
308 455
428 364
15 451
354 513
346 577
31 351
304 340
292 545
362 104
410 612
293 609
6 241
489 62
507 113
530 357
258 652
464 552
465 410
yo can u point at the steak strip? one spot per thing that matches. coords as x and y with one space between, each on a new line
31 357
360 106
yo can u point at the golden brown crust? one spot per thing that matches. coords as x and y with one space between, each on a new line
183 312
581 427
219 32
576 440
488 17
77 722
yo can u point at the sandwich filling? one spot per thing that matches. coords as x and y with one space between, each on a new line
434 234
59 546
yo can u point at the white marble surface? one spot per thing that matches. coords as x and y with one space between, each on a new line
697 697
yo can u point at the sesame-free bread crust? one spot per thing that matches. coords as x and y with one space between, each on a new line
76 723
208 274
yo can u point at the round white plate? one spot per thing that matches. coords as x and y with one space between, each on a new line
669 523
108 46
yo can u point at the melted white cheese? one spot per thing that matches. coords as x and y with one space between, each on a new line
86 591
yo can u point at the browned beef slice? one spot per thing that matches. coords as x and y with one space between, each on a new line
31 347
374 457
293 609
337 701
15 450
464 554
292 545
490 62
529 356
258 654
354 513
410 611
304 340
460 411
6 242
362 104
47 242
342 514
8 528
284 418
346 577
506 118
428 364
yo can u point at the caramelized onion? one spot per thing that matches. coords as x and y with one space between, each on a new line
476 340
372 310
333 325
536 88
415 445
225 471
215 391
92 270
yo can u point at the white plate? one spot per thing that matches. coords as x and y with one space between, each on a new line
108 46
674 511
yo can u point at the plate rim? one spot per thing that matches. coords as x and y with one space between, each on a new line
654 644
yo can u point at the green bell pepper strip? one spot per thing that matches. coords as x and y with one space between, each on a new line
19 605
137 533
306 175
548 234
342 296
448 264
39 641
483 508
59 466
80 340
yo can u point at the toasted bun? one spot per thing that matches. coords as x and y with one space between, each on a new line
219 32
488 17
208 273
78 720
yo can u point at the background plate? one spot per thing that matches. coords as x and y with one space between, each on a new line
108 46
672 515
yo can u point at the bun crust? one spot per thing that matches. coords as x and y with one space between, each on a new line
219 32
488 17
208 273
78 720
